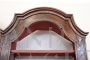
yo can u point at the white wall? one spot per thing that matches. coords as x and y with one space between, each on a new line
79 8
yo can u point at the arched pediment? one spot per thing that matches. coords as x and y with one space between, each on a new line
65 21
42 18
46 10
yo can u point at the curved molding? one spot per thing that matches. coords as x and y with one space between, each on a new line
22 22
69 16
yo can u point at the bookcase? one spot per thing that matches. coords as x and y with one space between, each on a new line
43 33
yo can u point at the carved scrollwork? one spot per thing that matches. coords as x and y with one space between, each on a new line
80 49
12 35
5 52
5 49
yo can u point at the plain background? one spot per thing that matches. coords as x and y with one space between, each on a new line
79 8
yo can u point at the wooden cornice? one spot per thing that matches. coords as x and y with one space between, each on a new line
66 16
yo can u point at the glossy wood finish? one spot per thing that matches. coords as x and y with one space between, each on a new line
42 18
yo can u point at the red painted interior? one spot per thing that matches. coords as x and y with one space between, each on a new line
41 25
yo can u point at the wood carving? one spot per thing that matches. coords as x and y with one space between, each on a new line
41 19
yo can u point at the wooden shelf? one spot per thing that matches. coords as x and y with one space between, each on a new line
42 52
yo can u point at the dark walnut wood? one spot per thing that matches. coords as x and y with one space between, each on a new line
42 18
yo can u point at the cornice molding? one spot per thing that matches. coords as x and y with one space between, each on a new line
66 16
